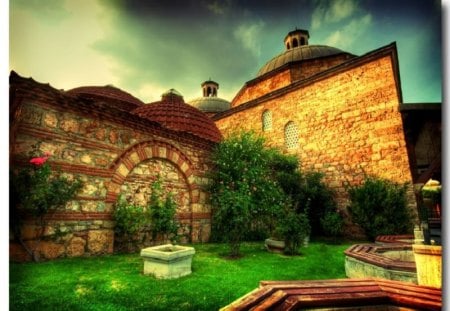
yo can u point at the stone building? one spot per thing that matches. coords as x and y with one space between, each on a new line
340 114
116 145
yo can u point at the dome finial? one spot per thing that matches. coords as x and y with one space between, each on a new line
296 38
210 88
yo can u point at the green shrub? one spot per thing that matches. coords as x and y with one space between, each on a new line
158 218
294 228
319 201
130 219
379 206
38 190
162 214
242 189
306 190
332 224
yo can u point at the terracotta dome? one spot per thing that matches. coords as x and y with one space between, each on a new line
121 99
173 113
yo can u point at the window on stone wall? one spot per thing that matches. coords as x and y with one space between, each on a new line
294 43
267 120
291 135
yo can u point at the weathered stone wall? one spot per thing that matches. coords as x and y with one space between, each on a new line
293 72
261 87
111 156
348 124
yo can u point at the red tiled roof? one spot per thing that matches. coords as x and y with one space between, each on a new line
123 99
173 113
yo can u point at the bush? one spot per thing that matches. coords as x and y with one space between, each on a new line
319 201
242 189
38 190
379 206
158 218
332 224
162 214
294 228
306 191
130 219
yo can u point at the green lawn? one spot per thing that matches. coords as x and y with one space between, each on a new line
116 282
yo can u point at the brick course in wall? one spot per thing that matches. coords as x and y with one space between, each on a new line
348 123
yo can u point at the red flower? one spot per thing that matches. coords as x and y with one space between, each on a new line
39 160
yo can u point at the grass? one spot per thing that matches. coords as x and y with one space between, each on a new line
116 282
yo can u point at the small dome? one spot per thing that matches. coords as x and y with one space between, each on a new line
127 101
300 53
173 113
210 104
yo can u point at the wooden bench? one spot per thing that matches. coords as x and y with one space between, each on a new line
348 294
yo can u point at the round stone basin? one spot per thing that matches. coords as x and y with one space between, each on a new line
167 261
388 261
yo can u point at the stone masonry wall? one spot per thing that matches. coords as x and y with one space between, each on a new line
294 72
110 158
348 124
252 91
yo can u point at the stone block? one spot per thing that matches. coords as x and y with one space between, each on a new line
167 261
76 247
50 250
100 241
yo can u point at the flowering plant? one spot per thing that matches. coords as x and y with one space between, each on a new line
36 190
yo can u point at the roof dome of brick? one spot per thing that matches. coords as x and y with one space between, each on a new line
173 113
115 96
299 53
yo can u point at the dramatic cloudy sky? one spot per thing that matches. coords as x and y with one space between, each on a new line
147 47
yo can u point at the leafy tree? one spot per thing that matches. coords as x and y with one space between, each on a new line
379 206
242 188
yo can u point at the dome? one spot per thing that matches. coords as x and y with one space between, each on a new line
299 53
173 113
210 104
123 99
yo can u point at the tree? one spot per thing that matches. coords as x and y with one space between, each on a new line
242 188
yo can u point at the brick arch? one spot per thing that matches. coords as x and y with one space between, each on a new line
143 151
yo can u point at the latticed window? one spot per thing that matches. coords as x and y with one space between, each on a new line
267 120
291 135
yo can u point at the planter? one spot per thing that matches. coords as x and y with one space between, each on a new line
167 261
429 264
274 246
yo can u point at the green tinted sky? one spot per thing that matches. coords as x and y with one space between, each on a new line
148 47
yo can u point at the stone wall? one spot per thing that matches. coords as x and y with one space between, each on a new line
348 122
111 154
284 76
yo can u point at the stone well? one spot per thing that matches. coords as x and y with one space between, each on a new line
167 261
389 261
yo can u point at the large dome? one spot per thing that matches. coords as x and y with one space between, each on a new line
299 53
173 113
120 99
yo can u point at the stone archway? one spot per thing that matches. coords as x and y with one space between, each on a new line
136 168
144 151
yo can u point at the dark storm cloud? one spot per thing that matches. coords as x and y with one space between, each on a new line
187 42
